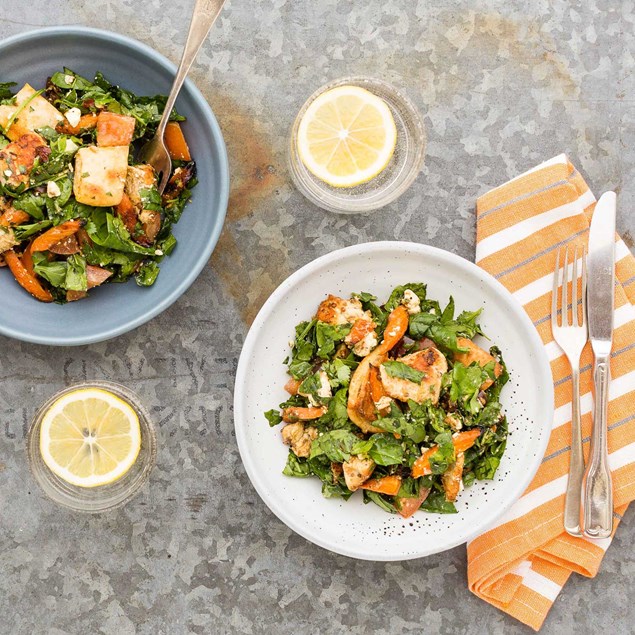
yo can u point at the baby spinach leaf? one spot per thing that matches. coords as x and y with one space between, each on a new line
436 503
109 231
22 232
147 273
54 271
296 466
273 417
444 456
75 273
380 501
385 449
327 336
31 203
466 384
397 294
337 445
397 422
403 371
6 94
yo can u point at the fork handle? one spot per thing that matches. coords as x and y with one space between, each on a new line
573 498
598 489
203 17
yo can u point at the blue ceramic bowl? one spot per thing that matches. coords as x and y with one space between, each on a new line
116 308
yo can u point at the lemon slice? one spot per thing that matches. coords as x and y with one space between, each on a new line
90 437
347 136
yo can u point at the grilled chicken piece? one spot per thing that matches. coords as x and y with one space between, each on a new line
18 157
357 471
478 355
39 113
299 437
7 239
150 220
337 311
429 361
139 177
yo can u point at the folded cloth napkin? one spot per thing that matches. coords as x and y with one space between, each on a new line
521 564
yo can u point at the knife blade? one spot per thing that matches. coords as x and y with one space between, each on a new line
598 486
601 274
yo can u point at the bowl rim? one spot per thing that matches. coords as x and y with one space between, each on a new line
364 249
141 49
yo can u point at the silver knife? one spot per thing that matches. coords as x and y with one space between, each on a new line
598 487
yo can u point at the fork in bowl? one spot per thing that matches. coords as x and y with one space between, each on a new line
572 335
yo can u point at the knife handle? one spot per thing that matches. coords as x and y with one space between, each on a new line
598 488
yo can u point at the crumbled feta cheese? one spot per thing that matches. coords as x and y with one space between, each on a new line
365 345
8 173
411 302
70 146
383 403
52 189
73 115
158 252
69 79
454 422
325 387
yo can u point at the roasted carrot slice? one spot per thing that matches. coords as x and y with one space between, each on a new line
55 234
176 143
361 328
396 328
292 415
451 479
465 440
126 211
27 259
385 485
86 122
376 387
292 386
114 129
408 506
26 279
461 440
13 217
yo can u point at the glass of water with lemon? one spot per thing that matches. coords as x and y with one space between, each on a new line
92 447
356 145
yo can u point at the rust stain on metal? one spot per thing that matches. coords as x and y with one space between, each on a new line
255 178
195 503
254 174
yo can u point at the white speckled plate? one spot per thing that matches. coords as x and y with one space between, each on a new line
365 531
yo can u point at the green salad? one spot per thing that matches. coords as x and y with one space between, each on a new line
394 399
77 209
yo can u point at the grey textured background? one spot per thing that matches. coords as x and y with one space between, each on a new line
198 552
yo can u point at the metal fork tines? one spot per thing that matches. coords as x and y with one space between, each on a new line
571 334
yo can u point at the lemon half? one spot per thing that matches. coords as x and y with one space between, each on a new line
347 136
90 437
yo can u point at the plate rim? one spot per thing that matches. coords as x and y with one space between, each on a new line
146 51
363 249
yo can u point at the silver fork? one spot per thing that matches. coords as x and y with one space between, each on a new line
154 151
571 336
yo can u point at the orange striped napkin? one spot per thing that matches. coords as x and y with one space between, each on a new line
521 564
